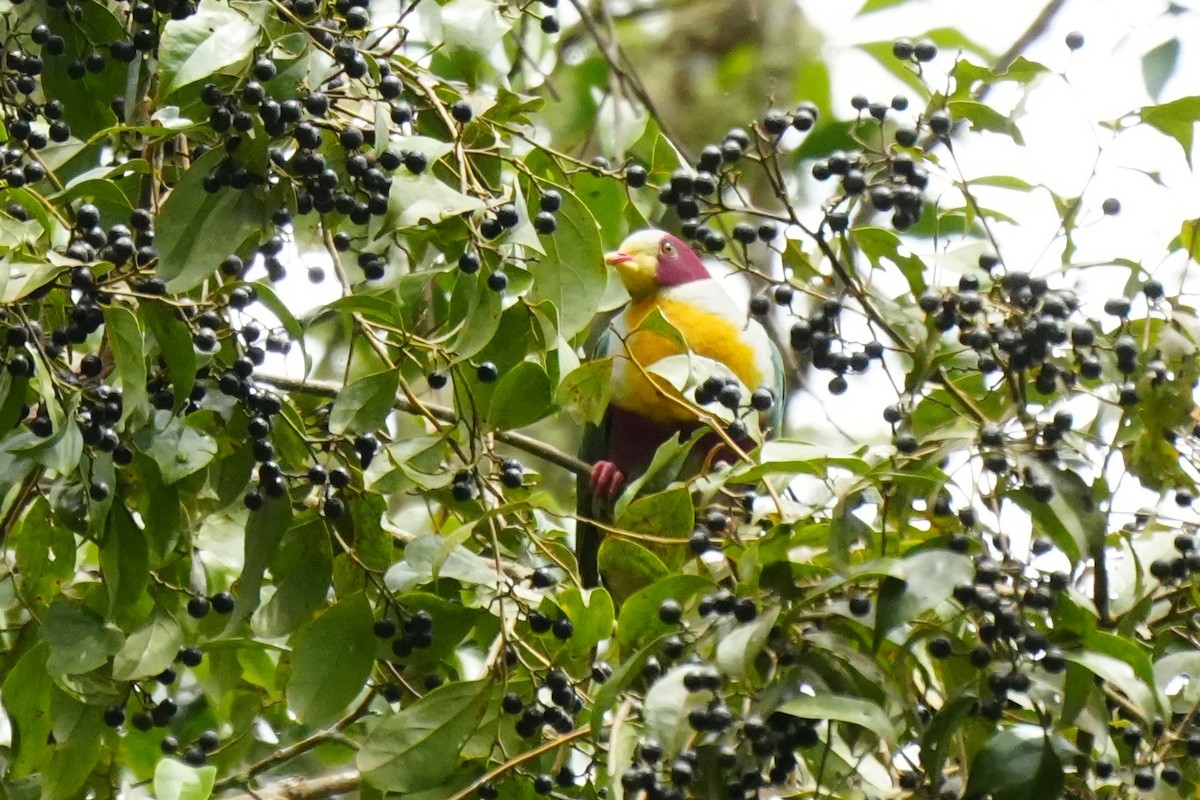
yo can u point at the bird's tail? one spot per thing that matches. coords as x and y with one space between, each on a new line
587 536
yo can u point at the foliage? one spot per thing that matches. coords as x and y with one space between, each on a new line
281 280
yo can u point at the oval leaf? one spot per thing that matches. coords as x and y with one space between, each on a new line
332 661
522 397
736 651
364 405
175 781
197 229
195 48
1017 764
418 748
149 650
842 709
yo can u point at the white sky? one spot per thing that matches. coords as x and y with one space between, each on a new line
1064 143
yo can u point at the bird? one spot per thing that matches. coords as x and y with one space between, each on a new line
725 354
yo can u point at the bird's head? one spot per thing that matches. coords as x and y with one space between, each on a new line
650 260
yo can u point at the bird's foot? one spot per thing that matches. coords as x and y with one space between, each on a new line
606 480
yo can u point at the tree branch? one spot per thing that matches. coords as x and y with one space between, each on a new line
1031 34
611 51
315 788
287 753
513 439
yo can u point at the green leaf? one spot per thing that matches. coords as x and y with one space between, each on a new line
45 555
474 25
125 338
1169 668
1121 675
628 567
303 569
878 5
1187 239
197 48
197 229
271 301
332 661
1005 182
1158 66
176 781
669 460
174 340
373 546
26 693
428 557
639 622
781 456
846 529
625 674
572 275
839 708
585 390
737 650
922 581
985 118
665 711
80 640
523 396
264 530
1070 518
903 70
1022 70
76 750
416 199
148 651
1128 653
124 561
880 245
657 323
478 308
418 748
592 614
669 514
179 449
86 101
1176 119
940 734
365 404
1017 764
160 508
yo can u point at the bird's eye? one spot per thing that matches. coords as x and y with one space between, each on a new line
668 249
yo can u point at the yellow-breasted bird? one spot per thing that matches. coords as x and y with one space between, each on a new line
731 358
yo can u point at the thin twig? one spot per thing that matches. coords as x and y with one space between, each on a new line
18 504
285 754
611 51
517 760
512 438
315 788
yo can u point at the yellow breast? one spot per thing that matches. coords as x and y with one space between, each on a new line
709 335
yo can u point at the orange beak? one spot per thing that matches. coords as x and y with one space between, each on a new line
617 257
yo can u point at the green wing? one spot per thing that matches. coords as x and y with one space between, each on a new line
587 536
592 448
775 415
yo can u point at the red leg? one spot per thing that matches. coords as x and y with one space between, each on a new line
606 480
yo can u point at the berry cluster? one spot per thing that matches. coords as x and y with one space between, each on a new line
728 393
416 632
818 337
